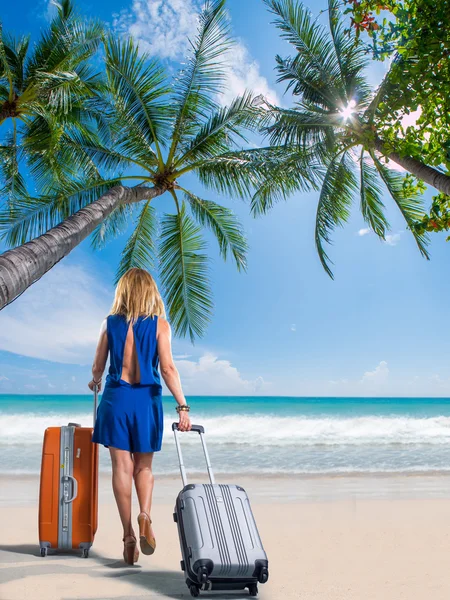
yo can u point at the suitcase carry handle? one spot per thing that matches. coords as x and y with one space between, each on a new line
201 430
74 489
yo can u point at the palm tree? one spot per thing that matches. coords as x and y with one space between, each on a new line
159 133
333 121
43 91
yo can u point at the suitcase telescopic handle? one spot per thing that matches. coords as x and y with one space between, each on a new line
200 430
95 403
197 428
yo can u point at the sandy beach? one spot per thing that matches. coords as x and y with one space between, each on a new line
327 538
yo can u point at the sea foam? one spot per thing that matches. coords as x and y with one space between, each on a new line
262 430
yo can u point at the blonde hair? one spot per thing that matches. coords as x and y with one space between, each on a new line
137 295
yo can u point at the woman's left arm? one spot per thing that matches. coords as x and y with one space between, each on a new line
101 356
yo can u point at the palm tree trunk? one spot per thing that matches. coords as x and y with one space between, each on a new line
429 175
22 266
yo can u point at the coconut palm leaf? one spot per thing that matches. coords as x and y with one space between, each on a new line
14 184
184 268
334 204
114 225
224 128
351 57
14 54
204 75
293 170
225 226
410 204
303 127
139 89
6 73
67 43
140 249
28 217
372 207
314 71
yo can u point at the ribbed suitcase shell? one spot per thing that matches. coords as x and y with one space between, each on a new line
220 544
69 468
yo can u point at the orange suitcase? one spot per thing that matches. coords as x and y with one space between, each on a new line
68 496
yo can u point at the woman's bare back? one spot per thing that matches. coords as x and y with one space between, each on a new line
130 366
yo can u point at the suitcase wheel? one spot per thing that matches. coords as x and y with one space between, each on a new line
194 589
253 589
263 575
202 575
85 553
175 518
44 551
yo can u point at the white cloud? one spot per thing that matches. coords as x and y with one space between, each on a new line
163 28
393 239
378 375
58 318
243 74
293 327
3 378
364 231
210 375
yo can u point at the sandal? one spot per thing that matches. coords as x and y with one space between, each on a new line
147 542
130 551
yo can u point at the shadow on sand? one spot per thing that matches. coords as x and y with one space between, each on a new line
158 583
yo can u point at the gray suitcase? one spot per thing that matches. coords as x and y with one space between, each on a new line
220 544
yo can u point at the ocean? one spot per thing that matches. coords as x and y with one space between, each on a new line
259 435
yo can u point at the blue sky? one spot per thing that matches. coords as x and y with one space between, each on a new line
283 327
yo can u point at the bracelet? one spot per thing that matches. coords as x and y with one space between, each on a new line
183 408
97 382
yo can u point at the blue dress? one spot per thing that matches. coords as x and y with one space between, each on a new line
130 416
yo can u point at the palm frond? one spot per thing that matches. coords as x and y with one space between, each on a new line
184 274
67 43
114 225
351 57
289 170
225 226
12 182
372 206
139 90
140 249
12 60
6 73
222 130
243 173
27 218
334 204
204 75
409 203
303 126
314 72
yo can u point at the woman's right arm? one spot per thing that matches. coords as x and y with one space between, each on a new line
169 371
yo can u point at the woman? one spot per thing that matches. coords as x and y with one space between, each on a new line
130 416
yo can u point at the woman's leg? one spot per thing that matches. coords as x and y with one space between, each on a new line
144 480
122 480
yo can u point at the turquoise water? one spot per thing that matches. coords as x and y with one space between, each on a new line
260 434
